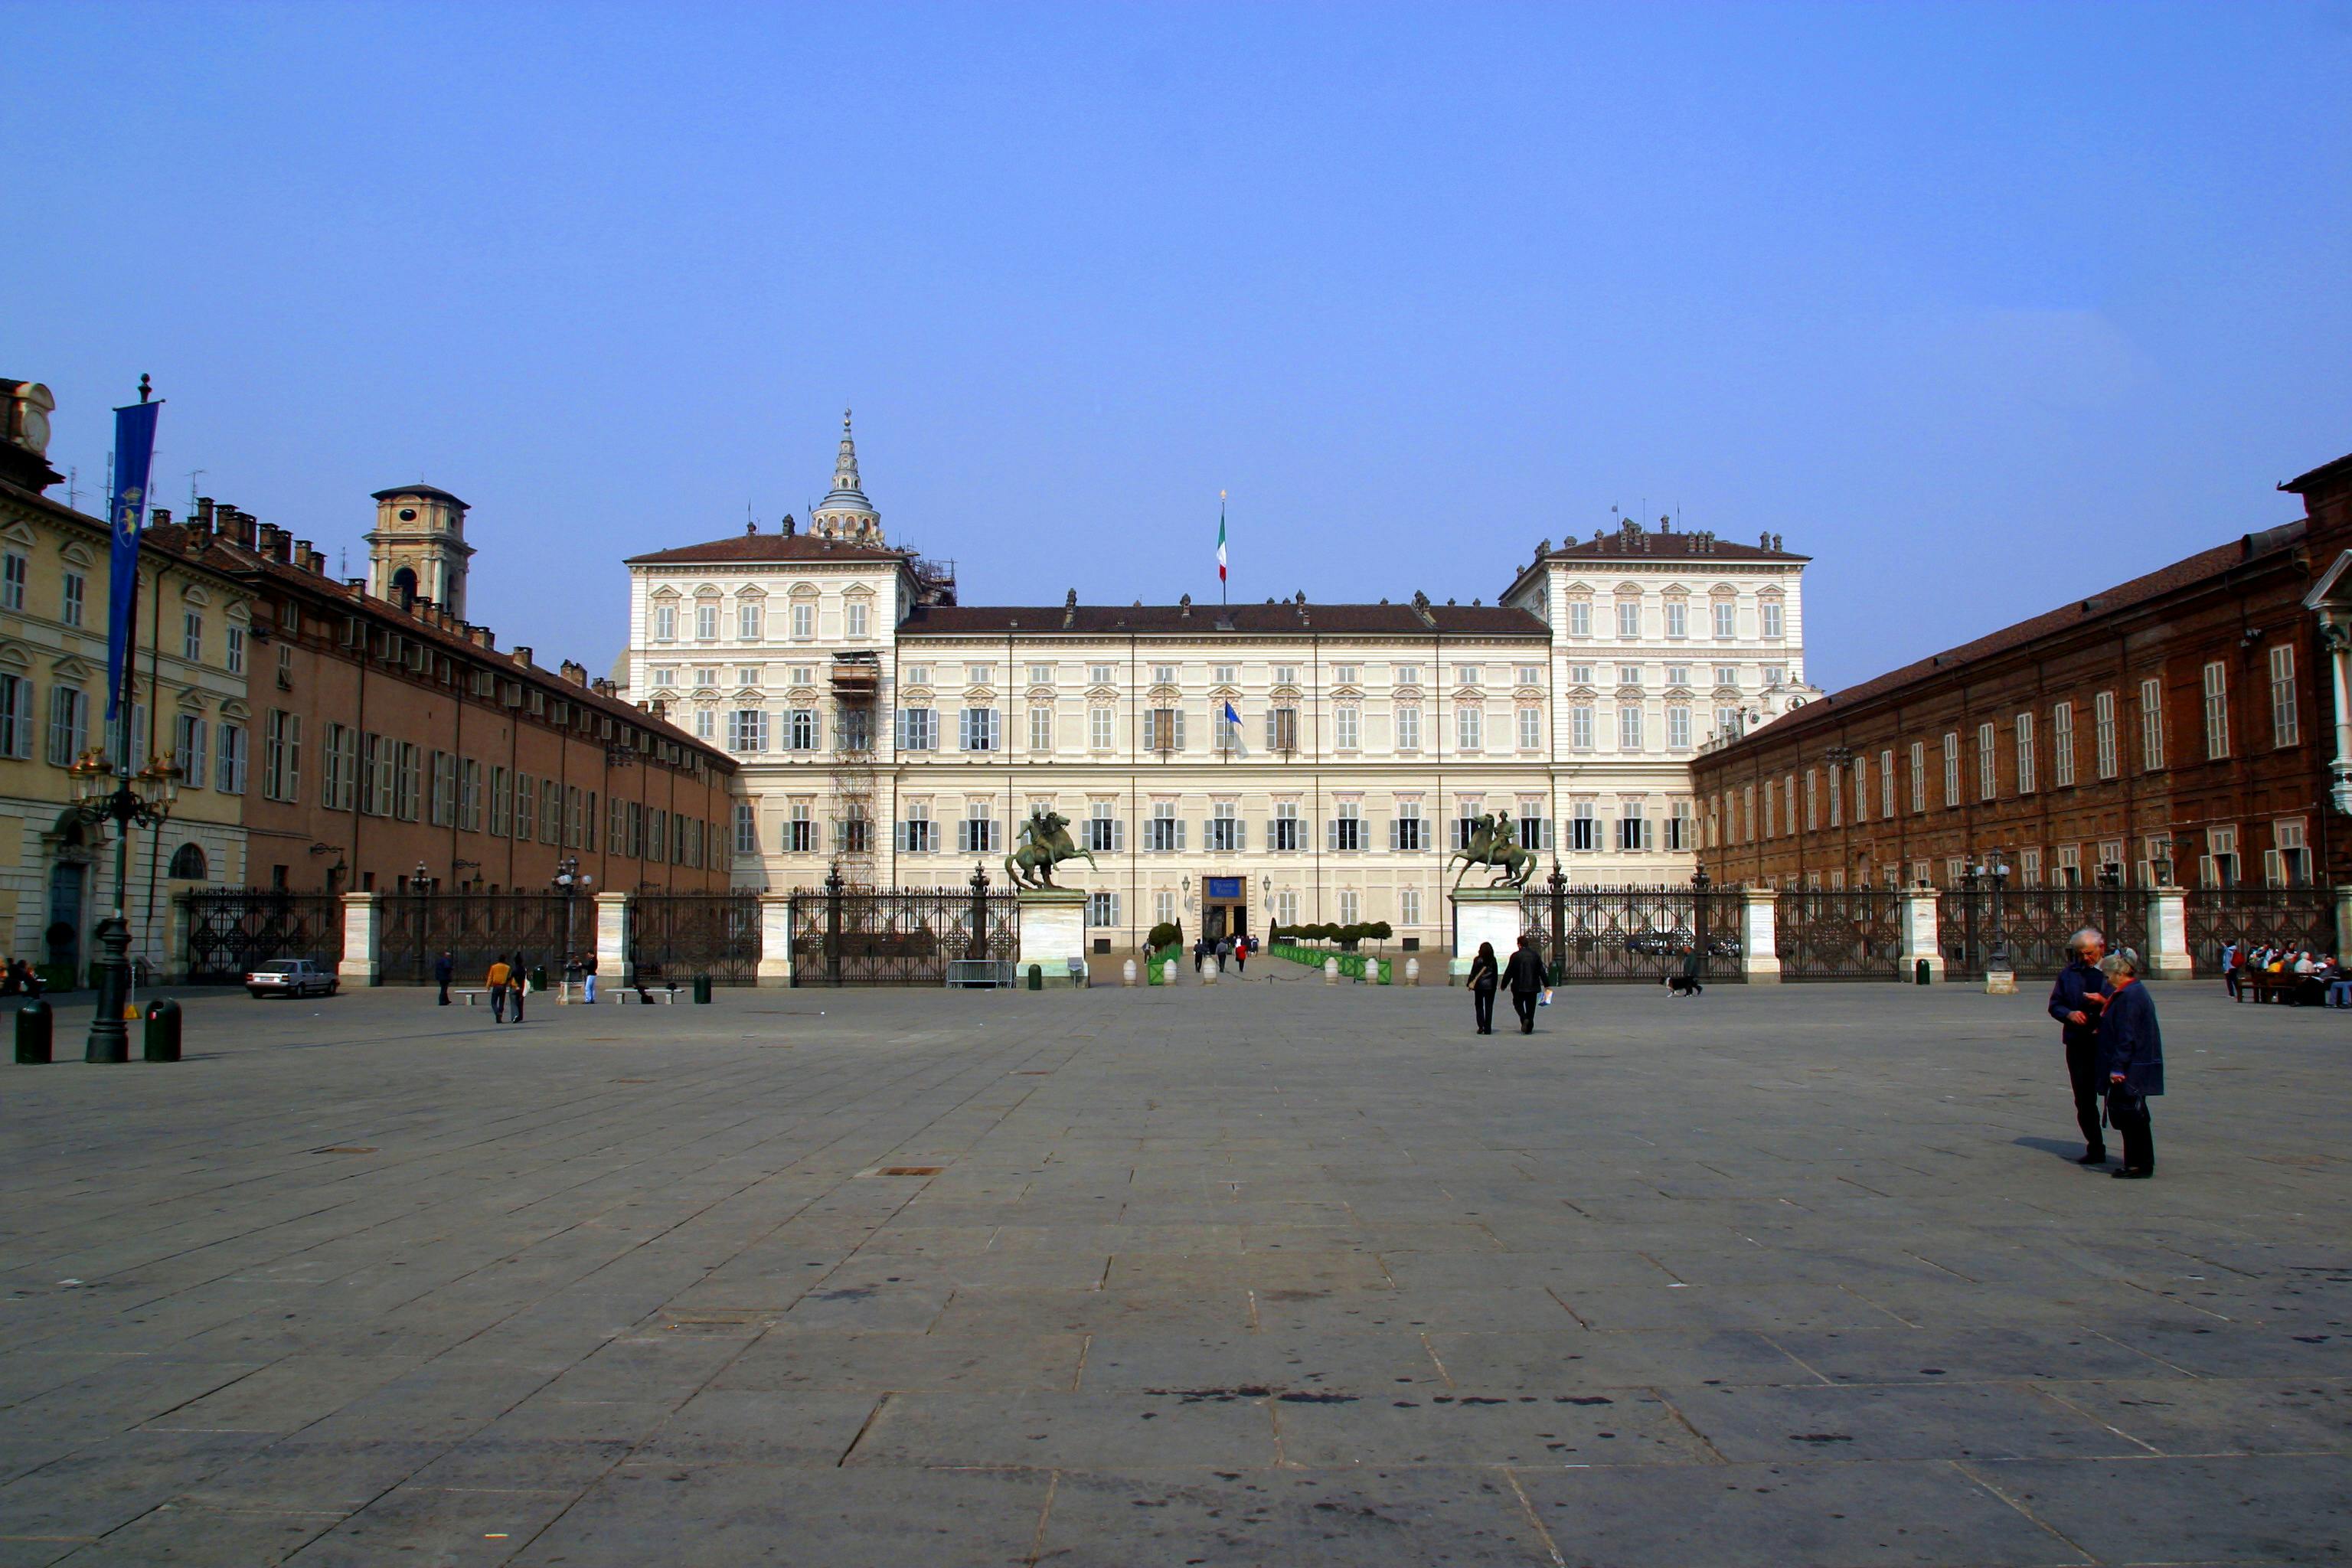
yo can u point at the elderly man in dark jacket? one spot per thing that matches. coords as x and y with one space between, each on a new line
2131 1055
2076 1002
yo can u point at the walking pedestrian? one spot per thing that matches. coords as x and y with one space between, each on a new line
520 979
444 970
2131 1052
1525 977
1482 978
588 979
1241 953
1224 952
495 981
2230 967
2076 1000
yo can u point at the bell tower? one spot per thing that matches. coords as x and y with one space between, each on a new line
417 549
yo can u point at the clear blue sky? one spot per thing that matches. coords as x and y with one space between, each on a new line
1981 306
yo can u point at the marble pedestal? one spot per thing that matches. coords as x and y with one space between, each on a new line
1052 933
1484 914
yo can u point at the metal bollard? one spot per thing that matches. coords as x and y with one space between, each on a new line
701 989
34 1031
162 1033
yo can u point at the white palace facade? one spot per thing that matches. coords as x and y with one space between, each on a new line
886 729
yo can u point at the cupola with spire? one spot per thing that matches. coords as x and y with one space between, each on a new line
845 512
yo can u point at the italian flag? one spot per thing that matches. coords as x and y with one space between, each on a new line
1220 538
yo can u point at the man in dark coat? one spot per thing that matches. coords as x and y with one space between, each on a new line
1525 977
2074 1002
2131 1054
444 970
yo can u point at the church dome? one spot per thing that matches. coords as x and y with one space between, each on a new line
845 512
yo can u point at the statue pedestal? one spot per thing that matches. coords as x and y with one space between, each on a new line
1485 914
1052 933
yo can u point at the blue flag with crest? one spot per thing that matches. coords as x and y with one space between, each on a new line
134 454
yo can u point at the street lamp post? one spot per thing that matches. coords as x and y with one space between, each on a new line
104 793
569 880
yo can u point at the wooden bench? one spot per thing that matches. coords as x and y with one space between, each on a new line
2294 989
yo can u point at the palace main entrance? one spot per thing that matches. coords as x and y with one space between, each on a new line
1224 907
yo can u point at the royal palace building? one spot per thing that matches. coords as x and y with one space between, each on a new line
1222 765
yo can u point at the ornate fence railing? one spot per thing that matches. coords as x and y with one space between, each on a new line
1839 933
234 930
1635 934
672 936
2300 919
905 936
530 929
2036 924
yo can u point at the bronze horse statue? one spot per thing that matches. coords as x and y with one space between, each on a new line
1496 843
1048 844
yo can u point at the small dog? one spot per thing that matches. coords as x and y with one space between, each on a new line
1681 985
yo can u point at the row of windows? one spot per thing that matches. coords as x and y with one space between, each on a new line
1721 620
751 621
206 753
382 776
706 678
73 610
1164 831
2288 863
1833 790
749 730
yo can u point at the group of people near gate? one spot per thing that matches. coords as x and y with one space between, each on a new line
2294 975
2114 1053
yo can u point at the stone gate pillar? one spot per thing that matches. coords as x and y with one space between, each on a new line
362 962
775 939
1759 935
1921 938
611 951
1485 914
2168 957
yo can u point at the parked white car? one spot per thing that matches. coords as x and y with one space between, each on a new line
290 977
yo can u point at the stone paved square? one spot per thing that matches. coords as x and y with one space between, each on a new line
1258 1274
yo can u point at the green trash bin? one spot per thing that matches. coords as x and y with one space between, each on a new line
162 1036
701 989
34 1029
1919 973
1036 977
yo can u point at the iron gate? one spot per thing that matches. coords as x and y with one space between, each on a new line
905 936
672 936
1635 935
2036 922
1839 933
2299 919
237 929
527 929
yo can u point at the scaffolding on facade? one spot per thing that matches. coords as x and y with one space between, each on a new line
856 679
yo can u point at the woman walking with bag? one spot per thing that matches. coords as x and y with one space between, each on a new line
1484 977
2131 1051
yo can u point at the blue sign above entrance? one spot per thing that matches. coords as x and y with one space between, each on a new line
1225 887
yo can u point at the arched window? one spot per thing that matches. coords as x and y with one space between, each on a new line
403 585
188 864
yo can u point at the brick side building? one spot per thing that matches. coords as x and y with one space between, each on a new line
389 734
2187 722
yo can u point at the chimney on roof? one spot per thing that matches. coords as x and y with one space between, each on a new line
1763 541
523 654
1776 542
1070 610
303 554
789 525
205 510
1184 607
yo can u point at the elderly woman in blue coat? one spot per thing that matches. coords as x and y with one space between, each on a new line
2131 1051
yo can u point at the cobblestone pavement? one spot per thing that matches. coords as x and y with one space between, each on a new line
1251 1274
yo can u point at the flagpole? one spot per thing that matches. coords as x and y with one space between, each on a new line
1220 548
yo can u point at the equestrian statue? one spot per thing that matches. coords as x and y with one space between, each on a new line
1495 843
1048 844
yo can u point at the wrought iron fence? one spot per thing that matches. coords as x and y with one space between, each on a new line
1634 934
528 929
2298 919
905 936
672 936
2036 924
1839 933
232 931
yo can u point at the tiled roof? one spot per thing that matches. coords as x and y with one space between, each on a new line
433 491
2107 601
1280 618
1660 546
747 548
223 555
